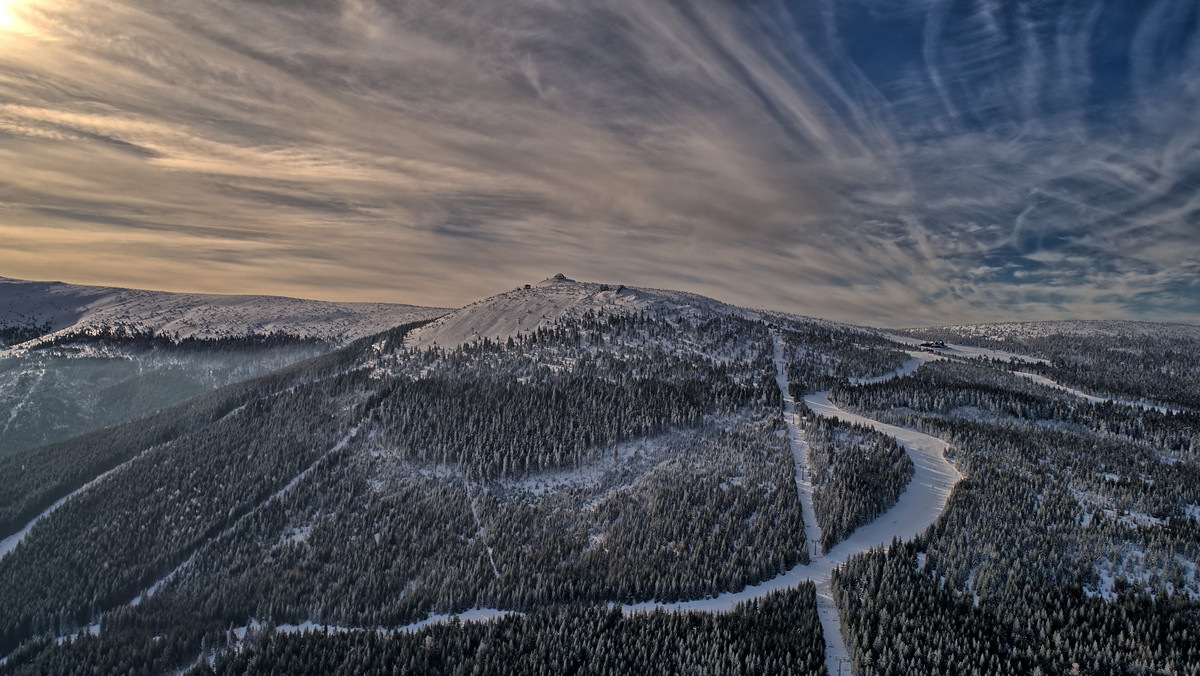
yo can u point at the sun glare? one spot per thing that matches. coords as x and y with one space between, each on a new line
8 16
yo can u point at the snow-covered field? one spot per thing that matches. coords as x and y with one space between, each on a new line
967 351
71 307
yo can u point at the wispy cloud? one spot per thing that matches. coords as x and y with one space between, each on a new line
890 163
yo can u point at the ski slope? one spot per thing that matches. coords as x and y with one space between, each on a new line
917 358
1043 380
919 506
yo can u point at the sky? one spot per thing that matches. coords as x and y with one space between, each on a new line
887 163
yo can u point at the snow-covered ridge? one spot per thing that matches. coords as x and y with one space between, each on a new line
1107 328
527 308
532 306
73 308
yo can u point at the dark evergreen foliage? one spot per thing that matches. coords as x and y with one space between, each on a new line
857 474
612 457
720 513
778 634
821 356
1059 492
1154 365
16 334
898 619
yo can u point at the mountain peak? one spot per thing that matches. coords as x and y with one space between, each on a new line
559 278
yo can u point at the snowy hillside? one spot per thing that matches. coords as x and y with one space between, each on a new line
819 494
534 306
74 308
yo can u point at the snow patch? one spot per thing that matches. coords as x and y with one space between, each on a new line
472 615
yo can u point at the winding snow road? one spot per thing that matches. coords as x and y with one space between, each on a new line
921 503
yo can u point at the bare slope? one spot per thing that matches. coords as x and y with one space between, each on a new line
525 309
75 308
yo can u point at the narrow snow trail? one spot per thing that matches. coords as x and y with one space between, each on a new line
10 543
924 499
16 410
153 589
1043 380
799 446
831 625
479 533
966 351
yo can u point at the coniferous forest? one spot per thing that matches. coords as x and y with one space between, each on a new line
307 520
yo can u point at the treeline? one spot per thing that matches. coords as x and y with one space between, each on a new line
561 395
134 337
778 634
496 429
16 334
621 345
857 474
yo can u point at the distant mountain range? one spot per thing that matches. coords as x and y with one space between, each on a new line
71 308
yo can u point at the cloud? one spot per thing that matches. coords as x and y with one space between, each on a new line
865 160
